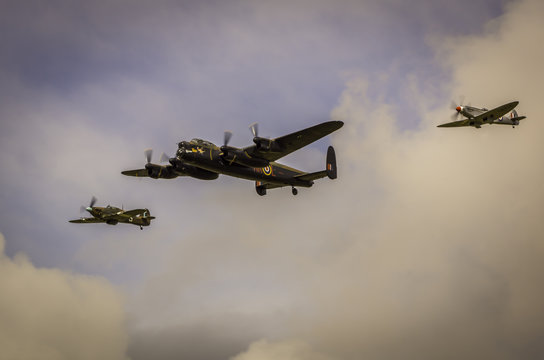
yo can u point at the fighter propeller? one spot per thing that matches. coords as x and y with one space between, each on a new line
89 208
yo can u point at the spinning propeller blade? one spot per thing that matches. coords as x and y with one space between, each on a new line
91 204
453 105
164 157
254 129
457 108
226 137
148 153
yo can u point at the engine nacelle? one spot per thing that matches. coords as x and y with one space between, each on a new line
160 172
264 144
182 169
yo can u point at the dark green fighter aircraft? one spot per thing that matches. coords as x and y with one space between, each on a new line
203 160
112 215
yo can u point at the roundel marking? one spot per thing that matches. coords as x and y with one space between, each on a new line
267 170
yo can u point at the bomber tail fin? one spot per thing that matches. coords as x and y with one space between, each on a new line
330 170
331 163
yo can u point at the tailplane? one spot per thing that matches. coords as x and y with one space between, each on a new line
515 118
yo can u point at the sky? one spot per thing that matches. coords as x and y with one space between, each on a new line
428 245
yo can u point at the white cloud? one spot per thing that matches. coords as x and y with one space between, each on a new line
285 350
429 243
53 314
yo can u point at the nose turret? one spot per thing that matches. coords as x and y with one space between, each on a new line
179 154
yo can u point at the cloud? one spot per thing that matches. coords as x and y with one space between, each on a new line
428 245
449 267
53 314
286 350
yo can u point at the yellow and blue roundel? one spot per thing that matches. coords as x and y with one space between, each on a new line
267 170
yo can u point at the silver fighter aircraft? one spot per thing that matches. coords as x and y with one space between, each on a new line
476 117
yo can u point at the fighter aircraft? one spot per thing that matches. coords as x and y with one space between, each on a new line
112 215
477 117
203 160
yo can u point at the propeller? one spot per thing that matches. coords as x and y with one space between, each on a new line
148 153
226 138
227 135
457 108
254 129
453 105
164 158
91 204
455 115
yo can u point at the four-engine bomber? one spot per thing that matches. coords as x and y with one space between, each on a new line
202 159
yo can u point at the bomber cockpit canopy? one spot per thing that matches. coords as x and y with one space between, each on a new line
203 143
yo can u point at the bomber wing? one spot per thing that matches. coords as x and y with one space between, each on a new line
87 220
295 141
137 173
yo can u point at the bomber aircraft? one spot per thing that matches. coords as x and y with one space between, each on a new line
203 160
112 215
476 117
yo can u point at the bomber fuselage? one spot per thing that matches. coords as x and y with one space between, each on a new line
208 156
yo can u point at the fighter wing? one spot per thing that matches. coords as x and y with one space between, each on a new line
137 173
139 213
87 220
496 113
295 141
464 122
135 212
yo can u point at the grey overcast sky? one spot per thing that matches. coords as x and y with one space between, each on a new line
428 245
